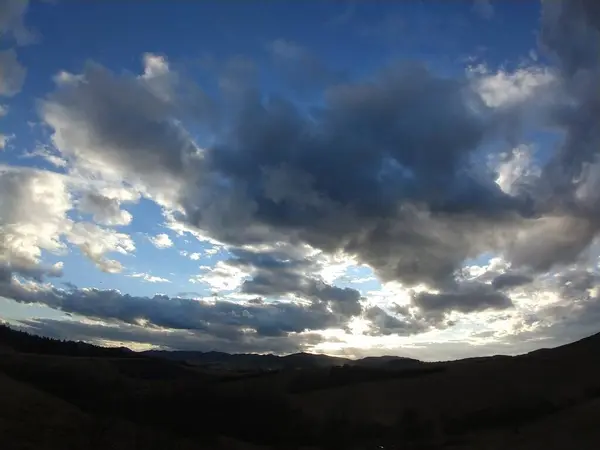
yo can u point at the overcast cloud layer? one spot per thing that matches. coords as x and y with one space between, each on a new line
414 174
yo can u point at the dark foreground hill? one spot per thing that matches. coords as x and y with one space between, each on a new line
64 395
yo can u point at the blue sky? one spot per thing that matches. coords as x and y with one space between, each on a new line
342 177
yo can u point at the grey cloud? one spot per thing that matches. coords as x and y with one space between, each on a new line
12 73
221 318
570 32
276 275
574 314
119 125
174 340
25 268
404 200
105 210
467 298
12 13
575 284
561 323
386 324
384 170
509 280
364 174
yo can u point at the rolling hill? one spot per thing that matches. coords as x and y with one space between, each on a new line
84 396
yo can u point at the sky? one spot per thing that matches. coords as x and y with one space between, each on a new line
415 178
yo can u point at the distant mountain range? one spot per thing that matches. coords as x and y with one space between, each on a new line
249 361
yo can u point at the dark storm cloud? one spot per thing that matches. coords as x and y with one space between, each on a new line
365 174
469 297
220 318
569 30
510 280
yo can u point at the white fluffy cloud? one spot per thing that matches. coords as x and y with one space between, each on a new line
149 278
161 241
95 242
34 207
4 139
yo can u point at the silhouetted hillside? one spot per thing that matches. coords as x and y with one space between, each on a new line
28 343
84 396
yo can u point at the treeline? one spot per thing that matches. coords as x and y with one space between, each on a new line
24 342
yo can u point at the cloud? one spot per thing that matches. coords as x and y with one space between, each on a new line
275 275
510 280
12 13
503 88
516 170
469 297
12 73
300 66
194 256
34 207
220 318
48 153
275 172
382 323
405 201
570 33
149 278
105 210
95 242
362 174
570 311
4 139
121 128
483 8
161 241
103 333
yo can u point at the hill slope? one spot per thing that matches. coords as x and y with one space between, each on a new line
80 396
